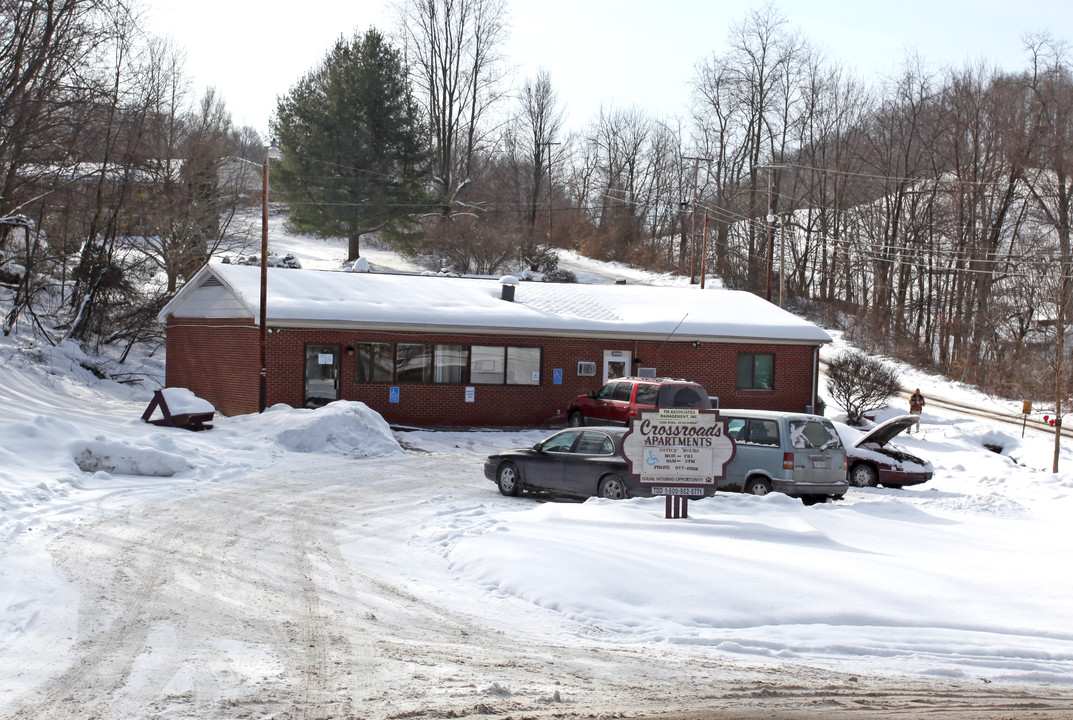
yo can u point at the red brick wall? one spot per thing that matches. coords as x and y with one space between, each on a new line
219 362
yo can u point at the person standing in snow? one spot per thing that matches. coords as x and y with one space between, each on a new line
916 406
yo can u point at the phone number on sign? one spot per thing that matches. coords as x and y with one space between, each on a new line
690 491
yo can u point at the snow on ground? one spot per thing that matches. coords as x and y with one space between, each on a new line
964 577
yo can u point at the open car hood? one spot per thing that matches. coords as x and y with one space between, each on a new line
883 433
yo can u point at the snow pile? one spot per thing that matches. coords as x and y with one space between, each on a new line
182 401
126 458
343 427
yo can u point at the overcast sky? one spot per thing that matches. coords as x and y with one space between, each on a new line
615 53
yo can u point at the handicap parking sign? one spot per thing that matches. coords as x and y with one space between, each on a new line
393 394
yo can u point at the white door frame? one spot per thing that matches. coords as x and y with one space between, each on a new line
617 356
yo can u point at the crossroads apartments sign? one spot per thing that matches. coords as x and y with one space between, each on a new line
679 451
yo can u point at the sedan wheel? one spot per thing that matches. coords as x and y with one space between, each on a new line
508 481
576 419
863 476
612 488
758 486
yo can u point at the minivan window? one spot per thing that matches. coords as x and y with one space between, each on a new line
763 432
736 429
813 435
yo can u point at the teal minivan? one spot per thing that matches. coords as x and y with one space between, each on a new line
797 454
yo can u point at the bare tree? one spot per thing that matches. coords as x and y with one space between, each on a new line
1050 183
533 142
186 208
454 49
751 92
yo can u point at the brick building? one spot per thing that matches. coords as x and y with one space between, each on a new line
432 350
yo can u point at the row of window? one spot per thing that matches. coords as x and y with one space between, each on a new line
496 365
443 363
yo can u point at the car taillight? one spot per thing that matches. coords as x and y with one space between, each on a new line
787 461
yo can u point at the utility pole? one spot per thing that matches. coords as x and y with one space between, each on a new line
704 252
1059 360
782 257
693 220
772 200
773 192
549 144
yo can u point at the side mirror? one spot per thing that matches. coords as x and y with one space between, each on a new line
539 447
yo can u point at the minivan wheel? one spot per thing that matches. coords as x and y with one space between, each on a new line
576 419
508 481
863 475
612 488
758 486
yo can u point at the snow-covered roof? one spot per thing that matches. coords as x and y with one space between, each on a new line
312 298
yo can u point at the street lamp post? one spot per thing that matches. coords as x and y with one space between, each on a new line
271 152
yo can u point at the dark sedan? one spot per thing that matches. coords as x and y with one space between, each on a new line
581 462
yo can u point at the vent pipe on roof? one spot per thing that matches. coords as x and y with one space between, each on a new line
509 282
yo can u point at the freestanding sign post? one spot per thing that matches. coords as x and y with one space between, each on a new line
680 453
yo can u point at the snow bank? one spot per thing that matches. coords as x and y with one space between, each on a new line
343 427
126 458
875 580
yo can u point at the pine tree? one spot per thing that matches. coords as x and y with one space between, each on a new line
354 149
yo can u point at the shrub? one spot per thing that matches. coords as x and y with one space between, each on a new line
559 275
861 383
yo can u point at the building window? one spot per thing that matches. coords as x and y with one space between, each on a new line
447 364
450 364
756 371
413 362
487 365
374 362
523 366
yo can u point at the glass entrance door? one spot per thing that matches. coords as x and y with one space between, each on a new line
616 364
322 374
